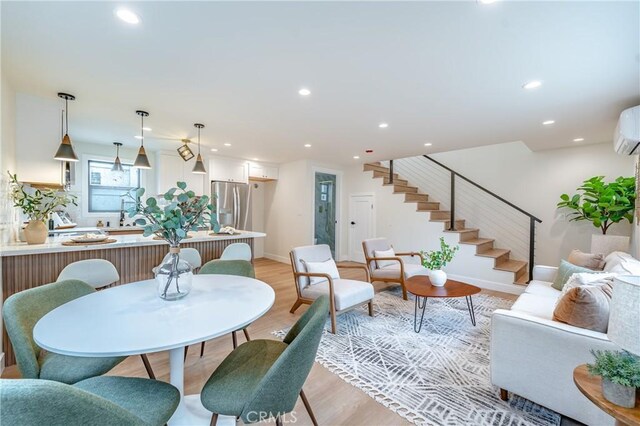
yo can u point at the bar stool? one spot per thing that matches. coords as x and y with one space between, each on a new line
98 273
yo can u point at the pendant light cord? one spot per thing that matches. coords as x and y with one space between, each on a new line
198 140
142 129
66 112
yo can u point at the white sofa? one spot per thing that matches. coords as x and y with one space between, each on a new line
534 357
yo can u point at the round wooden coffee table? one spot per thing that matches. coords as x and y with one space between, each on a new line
421 288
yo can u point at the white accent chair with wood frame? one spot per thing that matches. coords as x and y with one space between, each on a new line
397 271
343 293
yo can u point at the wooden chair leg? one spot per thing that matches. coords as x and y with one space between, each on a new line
370 308
305 401
504 394
214 419
333 321
246 334
202 349
147 366
404 291
296 305
234 337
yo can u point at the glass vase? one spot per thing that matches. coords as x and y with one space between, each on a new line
174 276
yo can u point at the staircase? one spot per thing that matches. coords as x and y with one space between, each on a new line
484 247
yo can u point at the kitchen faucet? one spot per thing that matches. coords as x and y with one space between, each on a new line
121 212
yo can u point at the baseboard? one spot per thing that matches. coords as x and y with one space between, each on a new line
490 285
277 258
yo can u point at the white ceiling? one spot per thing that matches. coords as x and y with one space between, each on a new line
449 73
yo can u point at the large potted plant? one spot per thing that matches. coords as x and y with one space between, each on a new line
602 203
170 217
435 260
37 205
620 372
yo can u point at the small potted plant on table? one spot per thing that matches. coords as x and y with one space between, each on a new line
435 260
620 372
37 205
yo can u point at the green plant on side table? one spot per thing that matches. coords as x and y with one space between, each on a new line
37 205
620 372
602 203
435 260
170 217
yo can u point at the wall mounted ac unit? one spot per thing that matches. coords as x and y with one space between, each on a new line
626 139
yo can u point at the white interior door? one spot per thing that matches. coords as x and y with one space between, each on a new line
361 224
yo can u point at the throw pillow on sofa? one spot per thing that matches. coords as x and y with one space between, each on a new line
585 306
565 270
622 263
586 260
584 278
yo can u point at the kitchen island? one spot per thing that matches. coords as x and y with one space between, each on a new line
26 266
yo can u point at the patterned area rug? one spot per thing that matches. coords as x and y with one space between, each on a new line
437 377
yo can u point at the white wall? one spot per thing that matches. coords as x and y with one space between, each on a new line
287 207
535 180
532 180
258 190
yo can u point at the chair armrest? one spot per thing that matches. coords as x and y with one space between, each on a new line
544 273
366 270
412 254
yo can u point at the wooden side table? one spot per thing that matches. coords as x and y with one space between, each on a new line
591 387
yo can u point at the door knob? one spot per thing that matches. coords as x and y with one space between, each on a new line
353 223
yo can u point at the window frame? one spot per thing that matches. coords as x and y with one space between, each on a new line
124 189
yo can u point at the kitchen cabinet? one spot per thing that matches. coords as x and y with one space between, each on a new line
262 172
228 170
171 168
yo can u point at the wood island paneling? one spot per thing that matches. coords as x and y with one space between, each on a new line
22 272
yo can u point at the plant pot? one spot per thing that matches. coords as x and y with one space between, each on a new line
36 232
174 276
438 277
623 396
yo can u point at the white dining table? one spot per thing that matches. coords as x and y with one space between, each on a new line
132 319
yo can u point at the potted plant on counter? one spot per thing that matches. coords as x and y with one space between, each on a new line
435 260
37 205
620 372
182 211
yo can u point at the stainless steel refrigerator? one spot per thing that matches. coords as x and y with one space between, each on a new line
233 201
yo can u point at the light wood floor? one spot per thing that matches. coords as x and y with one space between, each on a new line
334 401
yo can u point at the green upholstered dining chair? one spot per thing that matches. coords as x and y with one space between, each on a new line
263 378
21 312
105 400
227 267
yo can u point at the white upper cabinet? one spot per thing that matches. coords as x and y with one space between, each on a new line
228 170
171 168
262 172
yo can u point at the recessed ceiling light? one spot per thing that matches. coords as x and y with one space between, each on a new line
255 159
214 149
227 144
304 92
356 157
486 1
128 16
383 125
548 122
532 84
428 144
138 137
146 129
307 145
578 139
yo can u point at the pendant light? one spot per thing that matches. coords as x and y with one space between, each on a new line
198 168
65 151
117 165
142 162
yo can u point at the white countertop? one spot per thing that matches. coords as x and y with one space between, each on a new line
54 244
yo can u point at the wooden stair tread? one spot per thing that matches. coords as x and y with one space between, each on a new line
523 280
494 252
477 241
511 265
463 231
